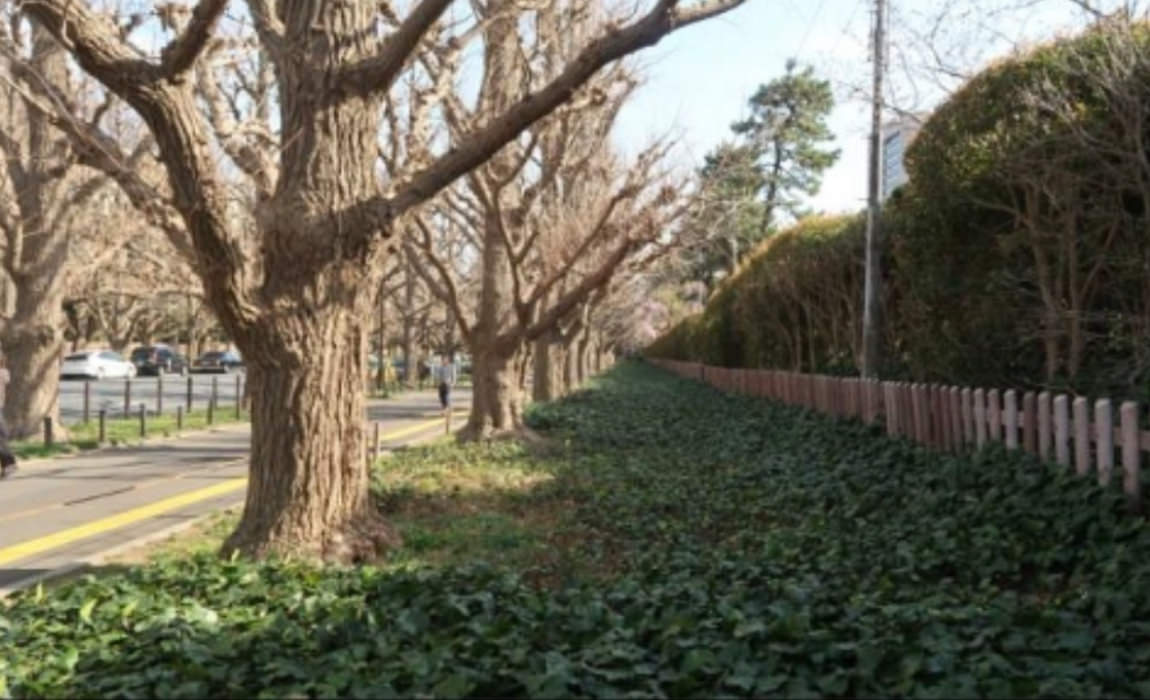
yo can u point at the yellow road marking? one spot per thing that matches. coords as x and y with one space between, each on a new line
56 539
138 486
409 430
63 537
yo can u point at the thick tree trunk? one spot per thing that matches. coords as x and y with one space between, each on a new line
547 368
496 400
570 369
34 347
308 485
306 351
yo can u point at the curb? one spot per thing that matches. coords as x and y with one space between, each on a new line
124 446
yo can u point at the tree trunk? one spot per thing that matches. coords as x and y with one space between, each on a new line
547 374
496 400
570 370
308 485
34 346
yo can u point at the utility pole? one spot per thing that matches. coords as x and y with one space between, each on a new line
872 288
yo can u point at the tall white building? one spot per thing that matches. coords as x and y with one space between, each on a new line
896 138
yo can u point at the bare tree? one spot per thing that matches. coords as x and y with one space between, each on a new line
295 292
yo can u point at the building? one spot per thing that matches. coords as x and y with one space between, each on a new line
896 138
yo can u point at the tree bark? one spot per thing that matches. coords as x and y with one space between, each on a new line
496 400
308 489
34 346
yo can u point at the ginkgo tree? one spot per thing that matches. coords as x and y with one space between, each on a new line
296 289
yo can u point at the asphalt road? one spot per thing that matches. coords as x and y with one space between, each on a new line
63 511
109 394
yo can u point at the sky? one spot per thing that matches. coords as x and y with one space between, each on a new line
700 77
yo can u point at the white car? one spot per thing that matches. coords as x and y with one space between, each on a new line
96 364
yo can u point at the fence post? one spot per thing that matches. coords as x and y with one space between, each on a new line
1044 434
215 389
1029 422
1131 453
160 393
143 421
87 401
979 417
103 435
1104 424
1081 436
188 400
956 441
967 416
375 441
211 409
238 397
179 418
127 397
1062 430
1010 420
993 416
49 438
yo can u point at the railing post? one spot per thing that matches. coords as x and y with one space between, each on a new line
143 421
103 435
1131 455
127 397
179 418
87 401
160 393
211 409
49 438
188 401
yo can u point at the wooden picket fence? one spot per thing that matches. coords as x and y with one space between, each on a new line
958 419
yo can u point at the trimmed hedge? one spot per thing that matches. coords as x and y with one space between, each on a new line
1016 256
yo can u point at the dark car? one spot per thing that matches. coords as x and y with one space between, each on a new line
154 359
217 361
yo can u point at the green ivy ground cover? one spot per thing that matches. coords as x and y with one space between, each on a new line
672 541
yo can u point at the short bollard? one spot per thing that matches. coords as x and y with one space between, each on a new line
211 410
160 394
188 402
49 438
87 401
375 451
239 398
143 421
127 398
215 390
103 436
179 417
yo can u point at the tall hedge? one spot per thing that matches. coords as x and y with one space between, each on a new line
1018 254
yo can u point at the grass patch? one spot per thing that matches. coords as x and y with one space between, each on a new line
122 431
671 541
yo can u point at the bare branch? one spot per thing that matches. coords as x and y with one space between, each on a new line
473 150
181 53
379 72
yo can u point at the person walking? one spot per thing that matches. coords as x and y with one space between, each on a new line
7 459
445 375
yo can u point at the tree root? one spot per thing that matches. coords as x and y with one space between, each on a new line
362 539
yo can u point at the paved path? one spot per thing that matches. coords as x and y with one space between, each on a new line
55 512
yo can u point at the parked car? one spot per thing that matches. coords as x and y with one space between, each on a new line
96 364
154 359
218 361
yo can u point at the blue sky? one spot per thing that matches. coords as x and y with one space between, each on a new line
700 77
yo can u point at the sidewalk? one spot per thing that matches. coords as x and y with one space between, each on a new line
56 512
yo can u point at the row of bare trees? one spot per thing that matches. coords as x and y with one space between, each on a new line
301 157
